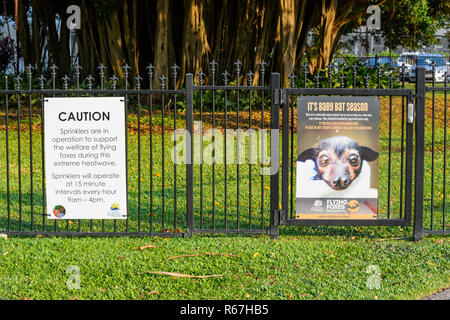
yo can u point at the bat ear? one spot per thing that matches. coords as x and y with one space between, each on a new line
368 154
308 154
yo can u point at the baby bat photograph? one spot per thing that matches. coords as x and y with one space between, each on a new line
337 158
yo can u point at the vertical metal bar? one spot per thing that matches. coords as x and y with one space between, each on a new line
200 81
30 125
150 69
101 69
53 69
19 153
286 147
433 108
189 154
262 143
274 157
44 212
162 80
249 83
78 69
213 71
390 149
444 191
174 72
420 149
126 69
7 154
65 87
138 87
225 80
291 164
409 164
238 65
89 80
114 81
402 144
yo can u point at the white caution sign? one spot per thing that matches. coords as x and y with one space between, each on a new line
85 158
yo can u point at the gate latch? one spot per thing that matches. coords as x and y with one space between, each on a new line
410 117
279 96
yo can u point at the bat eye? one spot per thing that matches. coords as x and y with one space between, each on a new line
354 160
323 161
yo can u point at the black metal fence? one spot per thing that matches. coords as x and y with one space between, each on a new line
431 197
237 190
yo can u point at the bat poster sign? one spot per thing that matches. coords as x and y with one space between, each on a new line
337 157
85 158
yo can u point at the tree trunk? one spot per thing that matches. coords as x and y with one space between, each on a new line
196 48
292 16
162 43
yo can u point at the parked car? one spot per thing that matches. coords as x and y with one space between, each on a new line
373 62
426 60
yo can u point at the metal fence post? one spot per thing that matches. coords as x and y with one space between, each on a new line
420 149
189 154
274 156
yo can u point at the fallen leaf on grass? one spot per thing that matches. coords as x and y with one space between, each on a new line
153 292
184 255
384 239
222 254
200 254
181 275
146 247
5 253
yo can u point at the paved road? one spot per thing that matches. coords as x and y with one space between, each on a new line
441 295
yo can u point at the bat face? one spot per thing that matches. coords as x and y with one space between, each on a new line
338 160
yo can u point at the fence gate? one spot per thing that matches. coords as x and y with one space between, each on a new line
396 154
228 190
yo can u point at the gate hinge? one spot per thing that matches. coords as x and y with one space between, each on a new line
279 96
277 217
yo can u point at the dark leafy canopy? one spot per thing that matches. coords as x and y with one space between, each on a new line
191 33
188 32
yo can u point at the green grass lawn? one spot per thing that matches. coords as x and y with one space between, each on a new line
310 265
305 263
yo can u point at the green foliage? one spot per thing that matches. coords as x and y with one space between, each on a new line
411 23
104 8
345 73
246 98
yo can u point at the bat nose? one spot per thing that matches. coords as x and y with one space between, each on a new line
341 182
